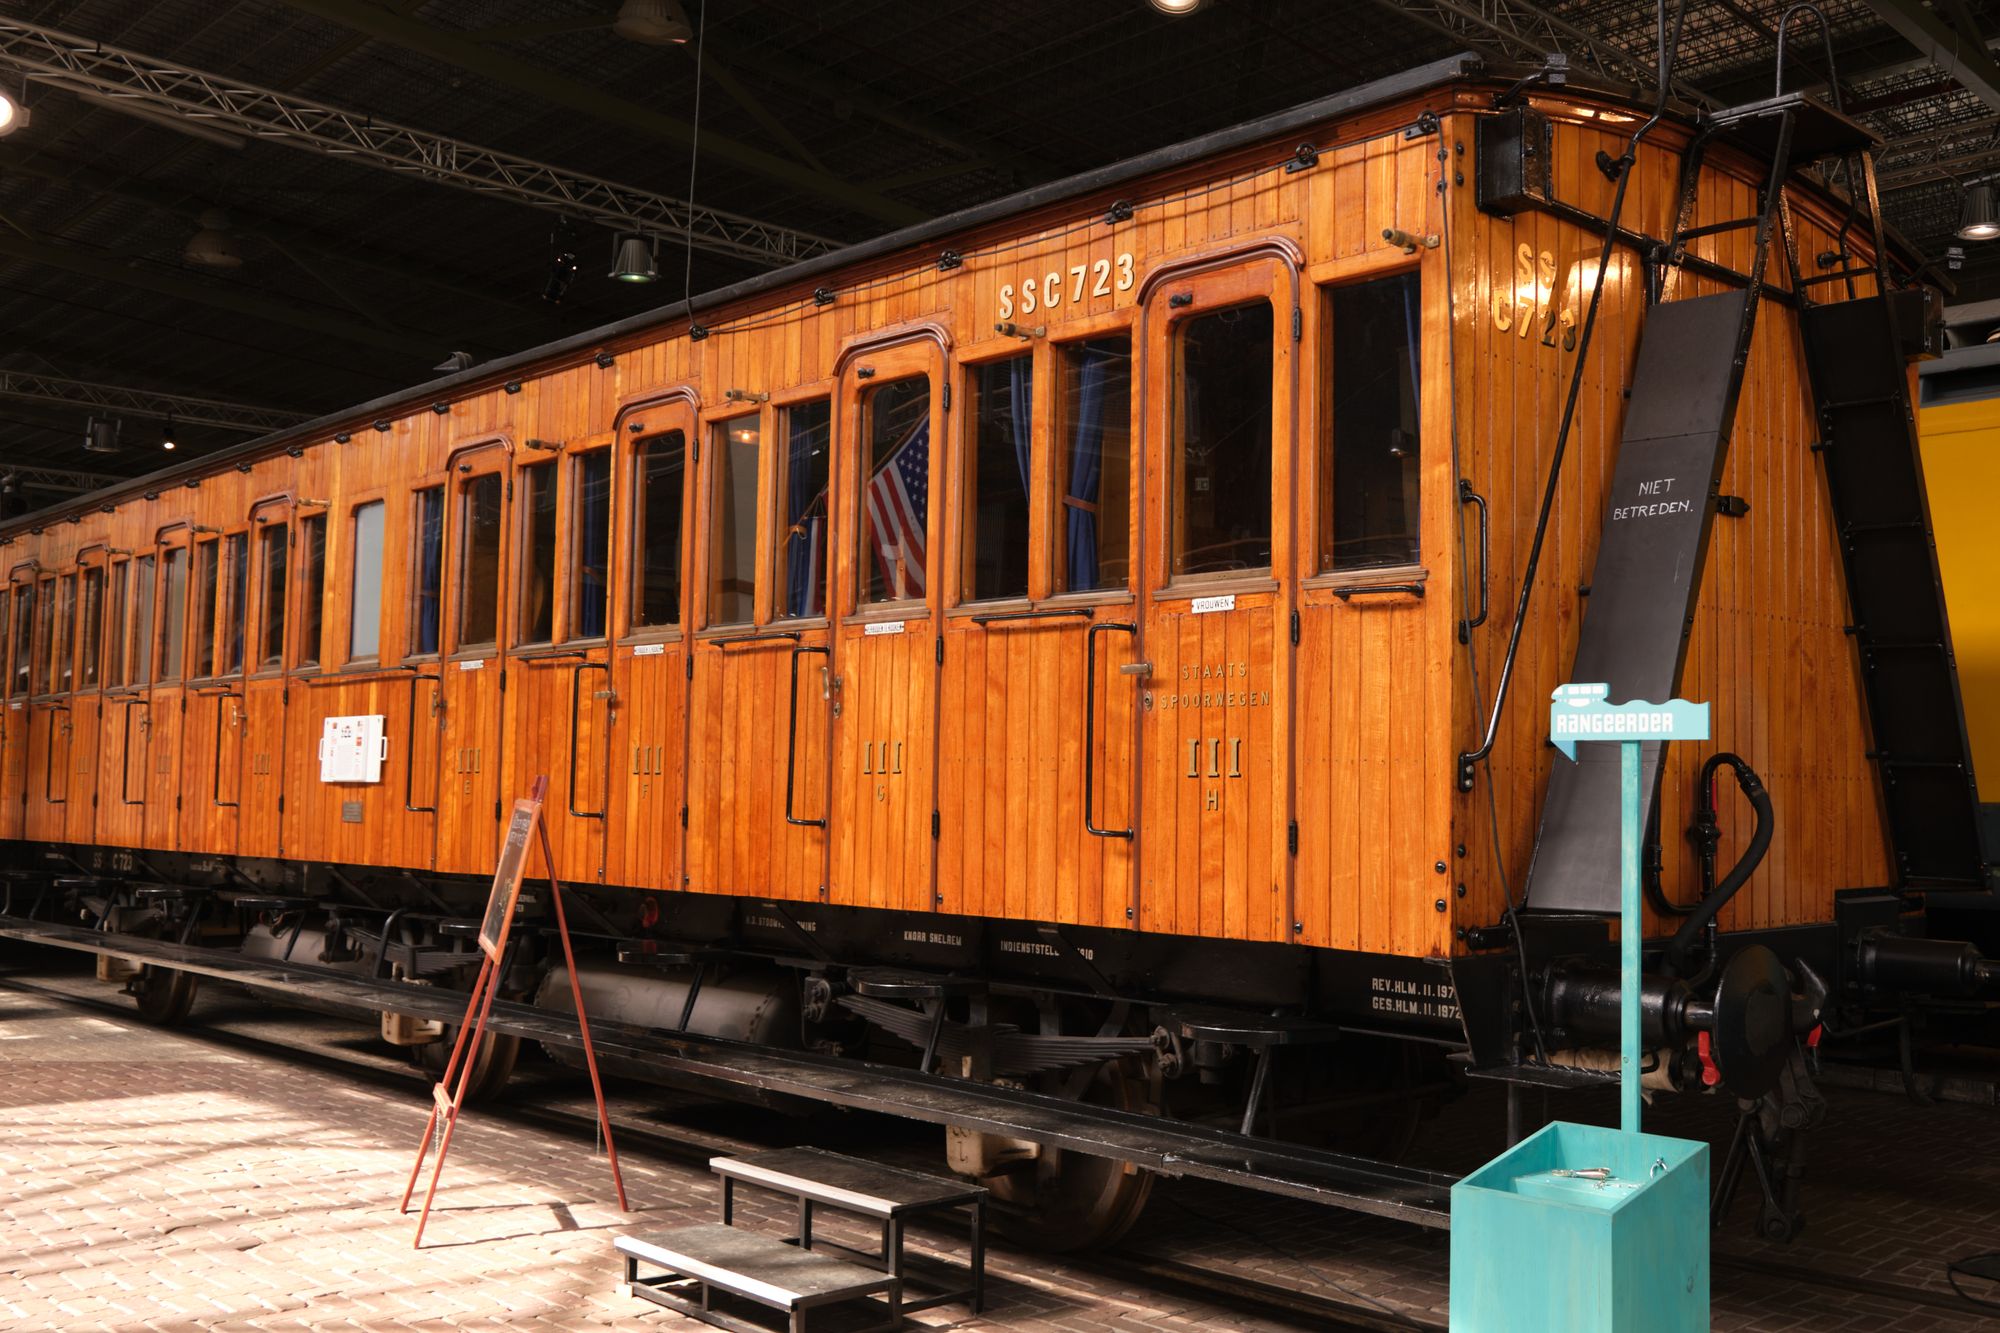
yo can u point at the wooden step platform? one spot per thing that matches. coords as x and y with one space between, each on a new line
700 1261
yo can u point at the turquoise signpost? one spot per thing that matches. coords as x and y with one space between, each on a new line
1577 1226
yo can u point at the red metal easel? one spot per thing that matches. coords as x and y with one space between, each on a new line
526 823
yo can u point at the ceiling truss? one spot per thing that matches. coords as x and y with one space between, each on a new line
115 400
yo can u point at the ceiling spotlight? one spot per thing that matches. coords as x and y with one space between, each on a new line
633 260
652 23
1979 221
562 262
13 116
457 361
1178 7
167 436
213 246
100 436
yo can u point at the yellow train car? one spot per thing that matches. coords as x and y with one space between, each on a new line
1081 645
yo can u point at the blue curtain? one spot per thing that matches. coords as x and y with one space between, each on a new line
1410 330
1020 381
1086 470
595 545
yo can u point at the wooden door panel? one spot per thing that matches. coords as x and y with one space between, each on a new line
882 773
354 823
211 790
48 770
85 743
261 820
467 745
162 722
558 729
742 733
14 770
121 792
646 787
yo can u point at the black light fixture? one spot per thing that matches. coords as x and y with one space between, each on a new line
605 360
653 23
383 426
634 259
100 435
341 437
512 386
1979 221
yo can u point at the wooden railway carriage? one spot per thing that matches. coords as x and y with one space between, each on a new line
1091 599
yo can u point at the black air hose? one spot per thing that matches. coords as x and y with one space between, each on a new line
1715 899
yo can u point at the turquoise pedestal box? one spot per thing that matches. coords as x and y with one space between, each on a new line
1533 1251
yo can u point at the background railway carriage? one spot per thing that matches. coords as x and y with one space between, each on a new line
1059 639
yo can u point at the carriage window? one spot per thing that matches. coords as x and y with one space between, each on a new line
271 559
479 562
1368 462
24 639
536 612
115 624
90 629
732 522
236 605
173 613
312 588
65 660
589 569
203 620
142 620
997 480
364 633
802 503
896 501
44 607
1094 458
1222 440
659 475
427 570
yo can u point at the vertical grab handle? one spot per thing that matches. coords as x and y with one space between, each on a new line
49 759
1090 725
410 745
125 777
1466 496
215 767
575 718
792 735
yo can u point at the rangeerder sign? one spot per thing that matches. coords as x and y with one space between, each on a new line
1580 713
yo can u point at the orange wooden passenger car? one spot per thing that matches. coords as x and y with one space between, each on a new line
1093 594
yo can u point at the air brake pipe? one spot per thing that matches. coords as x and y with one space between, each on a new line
1704 915
1618 169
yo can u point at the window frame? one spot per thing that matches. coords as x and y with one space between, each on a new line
679 419
714 430
62 651
227 610
569 554
468 467
780 408
413 601
89 628
165 553
959 474
347 563
202 548
257 626
116 674
142 669
296 576
515 632
1318 456
867 373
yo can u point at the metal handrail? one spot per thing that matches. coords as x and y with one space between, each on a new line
410 749
215 787
1083 612
125 767
1090 724
575 713
1466 496
49 758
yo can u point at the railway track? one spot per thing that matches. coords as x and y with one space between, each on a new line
1283 1305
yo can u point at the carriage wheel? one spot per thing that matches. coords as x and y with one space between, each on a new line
1066 1200
163 996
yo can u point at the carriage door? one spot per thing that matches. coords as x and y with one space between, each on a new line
649 667
17 600
560 699
886 649
757 714
213 720
469 691
259 777
126 719
1213 674
86 704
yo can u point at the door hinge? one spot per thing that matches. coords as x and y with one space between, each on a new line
1298 323
1292 837
503 680
939 654
936 826
496 812
688 662
281 803
697 450
177 802
684 816
947 396
510 488
1295 629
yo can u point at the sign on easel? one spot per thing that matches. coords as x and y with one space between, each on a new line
447 1102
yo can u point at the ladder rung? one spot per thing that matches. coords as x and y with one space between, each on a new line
1714 228
1836 276
1887 761
1845 403
1866 529
1901 645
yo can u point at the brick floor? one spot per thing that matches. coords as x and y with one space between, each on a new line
180 1181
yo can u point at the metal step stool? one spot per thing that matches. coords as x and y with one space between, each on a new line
702 1260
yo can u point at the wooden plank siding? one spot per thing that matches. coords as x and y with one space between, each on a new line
941 767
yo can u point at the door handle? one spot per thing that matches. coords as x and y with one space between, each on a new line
1090 720
1134 668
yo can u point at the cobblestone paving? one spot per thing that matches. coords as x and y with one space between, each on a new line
198 1181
